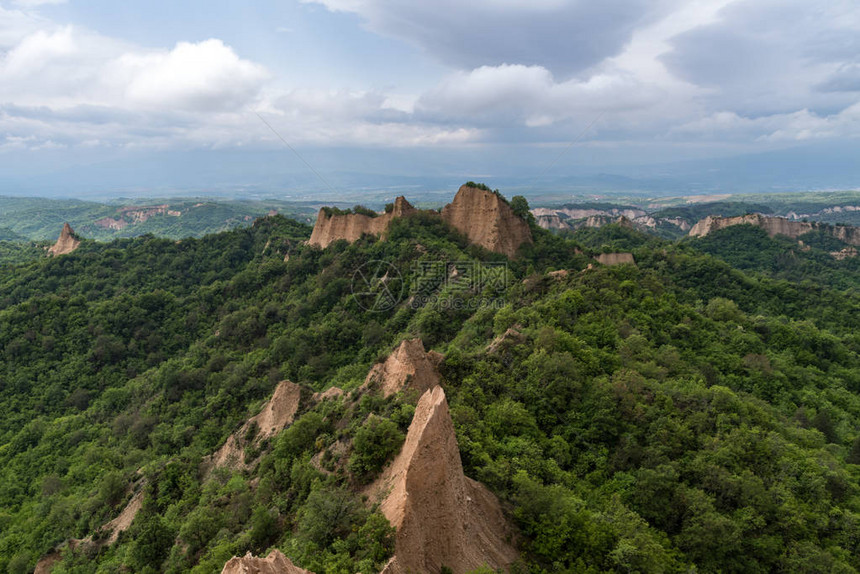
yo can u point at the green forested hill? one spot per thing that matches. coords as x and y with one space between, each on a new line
679 415
40 219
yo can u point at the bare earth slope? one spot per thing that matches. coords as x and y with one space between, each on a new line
487 221
441 516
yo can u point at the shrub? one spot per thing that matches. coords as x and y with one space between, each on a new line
374 443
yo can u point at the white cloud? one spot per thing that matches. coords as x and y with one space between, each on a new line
17 24
761 71
799 126
207 76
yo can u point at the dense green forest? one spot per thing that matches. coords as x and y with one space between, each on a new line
696 412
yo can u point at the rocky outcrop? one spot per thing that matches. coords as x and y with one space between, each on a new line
776 226
351 226
123 521
486 220
573 219
66 243
482 216
107 533
330 393
584 212
551 221
274 563
615 258
843 254
277 414
441 516
408 367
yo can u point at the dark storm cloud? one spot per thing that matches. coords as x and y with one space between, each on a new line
564 37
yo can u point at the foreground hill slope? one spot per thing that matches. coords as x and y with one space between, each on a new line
671 415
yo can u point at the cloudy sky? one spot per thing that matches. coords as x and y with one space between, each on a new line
424 86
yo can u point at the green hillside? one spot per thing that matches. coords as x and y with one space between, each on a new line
696 412
41 219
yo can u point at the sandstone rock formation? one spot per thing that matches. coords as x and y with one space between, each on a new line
351 226
573 219
846 253
277 414
487 221
330 393
123 521
615 258
66 243
274 563
441 516
584 212
776 226
408 367
119 524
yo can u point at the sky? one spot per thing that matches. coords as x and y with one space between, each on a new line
394 88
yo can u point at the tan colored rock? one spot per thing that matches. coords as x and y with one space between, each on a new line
615 258
776 226
351 226
487 221
551 221
66 243
46 563
279 411
274 563
123 521
277 414
330 393
441 516
846 253
408 367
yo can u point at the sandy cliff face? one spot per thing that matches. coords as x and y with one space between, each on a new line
441 517
276 415
487 221
274 563
66 243
351 226
776 226
409 367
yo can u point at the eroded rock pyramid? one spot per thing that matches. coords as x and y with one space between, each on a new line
408 367
441 516
277 414
66 243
